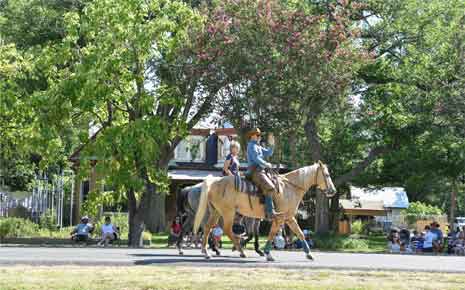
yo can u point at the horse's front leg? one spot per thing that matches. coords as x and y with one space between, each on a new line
269 243
294 226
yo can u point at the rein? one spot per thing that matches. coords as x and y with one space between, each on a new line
274 172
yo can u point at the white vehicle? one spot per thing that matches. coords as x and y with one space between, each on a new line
459 222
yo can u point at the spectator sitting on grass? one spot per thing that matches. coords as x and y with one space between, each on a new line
416 243
438 241
452 237
279 242
109 232
428 242
459 247
82 231
394 243
217 234
175 232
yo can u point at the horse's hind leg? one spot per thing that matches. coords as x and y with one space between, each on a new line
212 220
294 226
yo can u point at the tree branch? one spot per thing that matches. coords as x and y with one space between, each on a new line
360 167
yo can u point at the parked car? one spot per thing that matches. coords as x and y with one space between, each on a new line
459 222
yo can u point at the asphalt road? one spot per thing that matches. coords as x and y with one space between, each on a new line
170 257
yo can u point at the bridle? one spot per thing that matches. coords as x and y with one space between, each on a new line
325 191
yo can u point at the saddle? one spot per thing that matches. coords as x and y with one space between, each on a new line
245 185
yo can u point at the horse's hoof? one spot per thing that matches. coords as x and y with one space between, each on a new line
269 258
181 253
310 256
218 253
208 257
260 253
242 255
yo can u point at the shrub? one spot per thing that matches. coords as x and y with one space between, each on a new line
420 209
357 227
17 228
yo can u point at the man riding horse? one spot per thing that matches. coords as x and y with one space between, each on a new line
257 166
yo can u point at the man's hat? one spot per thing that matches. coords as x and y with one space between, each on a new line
254 131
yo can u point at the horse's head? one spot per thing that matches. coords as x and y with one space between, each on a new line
323 180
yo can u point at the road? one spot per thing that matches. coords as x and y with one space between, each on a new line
169 257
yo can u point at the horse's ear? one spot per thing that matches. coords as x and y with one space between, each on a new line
320 163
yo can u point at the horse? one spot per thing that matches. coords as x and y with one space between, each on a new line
222 199
187 204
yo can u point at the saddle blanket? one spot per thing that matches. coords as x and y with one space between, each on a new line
241 184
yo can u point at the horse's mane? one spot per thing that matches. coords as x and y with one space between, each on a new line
300 174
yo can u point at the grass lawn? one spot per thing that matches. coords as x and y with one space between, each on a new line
149 277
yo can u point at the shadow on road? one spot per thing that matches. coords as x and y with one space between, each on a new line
213 262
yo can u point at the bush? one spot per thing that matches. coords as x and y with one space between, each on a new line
17 228
334 242
420 209
357 227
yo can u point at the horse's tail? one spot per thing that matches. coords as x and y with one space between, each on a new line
203 203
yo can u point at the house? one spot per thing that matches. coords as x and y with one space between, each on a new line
394 200
357 208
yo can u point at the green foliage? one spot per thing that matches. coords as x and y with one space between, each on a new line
336 242
419 209
48 220
357 227
17 227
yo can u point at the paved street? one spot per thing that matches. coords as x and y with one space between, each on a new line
157 257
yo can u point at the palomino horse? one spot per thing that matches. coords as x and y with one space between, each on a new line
187 204
222 199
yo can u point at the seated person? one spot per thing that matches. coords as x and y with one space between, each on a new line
214 239
82 231
459 247
175 232
416 242
279 241
217 234
428 242
109 232
394 242
438 240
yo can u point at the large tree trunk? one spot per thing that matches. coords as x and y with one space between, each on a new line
322 202
155 212
76 196
155 217
136 222
453 202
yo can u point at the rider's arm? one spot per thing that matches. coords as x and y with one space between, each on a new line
267 152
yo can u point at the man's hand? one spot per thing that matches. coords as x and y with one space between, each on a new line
270 140
269 165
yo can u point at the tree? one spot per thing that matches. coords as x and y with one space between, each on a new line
292 62
135 71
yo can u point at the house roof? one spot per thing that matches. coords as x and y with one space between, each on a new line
191 175
392 197
362 208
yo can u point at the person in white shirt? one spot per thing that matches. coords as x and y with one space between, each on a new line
109 232
279 241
